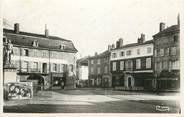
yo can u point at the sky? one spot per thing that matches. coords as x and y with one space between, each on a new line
92 24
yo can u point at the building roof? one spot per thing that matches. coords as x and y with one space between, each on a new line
83 61
134 44
26 39
102 55
169 30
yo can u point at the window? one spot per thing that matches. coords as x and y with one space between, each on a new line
148 63
161 52
36 53
106 69
129 65
105 60
35 66
62 47
15 51
138 51
155 53
114 66
173 50
165 65
92 61
158 52
54 55
35 43
98 70
114 55
159 66
121 65
25 52
24 66
44 53
167 52
175 65
149 49
92 70
175 39
71 68
128 52
138 63
62 66
170 66
54 67
98 61
122 53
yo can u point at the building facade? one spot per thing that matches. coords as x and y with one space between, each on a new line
82 72
167 57
50 57
99 70
132 65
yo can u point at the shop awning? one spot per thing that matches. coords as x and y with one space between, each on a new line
168 79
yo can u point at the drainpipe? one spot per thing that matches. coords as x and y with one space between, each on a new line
154 69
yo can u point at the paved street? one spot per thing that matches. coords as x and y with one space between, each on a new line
94 101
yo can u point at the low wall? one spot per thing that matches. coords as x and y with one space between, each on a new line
18 90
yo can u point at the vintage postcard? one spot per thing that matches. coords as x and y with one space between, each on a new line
91 57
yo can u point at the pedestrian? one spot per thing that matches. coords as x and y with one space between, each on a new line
62 84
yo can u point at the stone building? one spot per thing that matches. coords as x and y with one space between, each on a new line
132 65
82 72
167 57
99 70
50 59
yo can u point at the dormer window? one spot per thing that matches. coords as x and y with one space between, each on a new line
62 47
35 43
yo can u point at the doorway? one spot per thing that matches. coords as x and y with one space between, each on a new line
129 82
44 68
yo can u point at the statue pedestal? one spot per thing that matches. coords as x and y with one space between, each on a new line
10 74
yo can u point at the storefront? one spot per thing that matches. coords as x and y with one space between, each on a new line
58 80
118 80
133 81
168 84
106 81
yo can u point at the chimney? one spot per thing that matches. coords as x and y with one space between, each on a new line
120 42
96 53
142 37
109 47
46 31
113 46
117 44
178 20
138 40
16 27
162 26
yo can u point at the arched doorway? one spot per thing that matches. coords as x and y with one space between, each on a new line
39 78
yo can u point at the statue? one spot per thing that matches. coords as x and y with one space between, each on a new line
8 51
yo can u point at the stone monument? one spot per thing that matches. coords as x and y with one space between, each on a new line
9 70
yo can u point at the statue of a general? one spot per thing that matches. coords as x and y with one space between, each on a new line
8 51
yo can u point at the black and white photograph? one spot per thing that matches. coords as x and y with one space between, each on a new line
91 56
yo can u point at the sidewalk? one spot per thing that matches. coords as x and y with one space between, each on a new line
111 91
